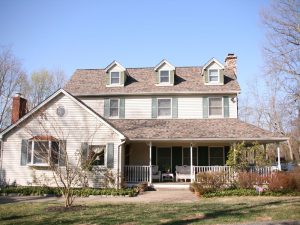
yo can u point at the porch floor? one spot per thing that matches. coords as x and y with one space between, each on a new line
171 185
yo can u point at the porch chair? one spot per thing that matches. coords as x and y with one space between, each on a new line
183 173
156 175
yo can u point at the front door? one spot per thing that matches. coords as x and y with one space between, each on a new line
164 157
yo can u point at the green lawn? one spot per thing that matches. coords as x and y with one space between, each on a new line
207 211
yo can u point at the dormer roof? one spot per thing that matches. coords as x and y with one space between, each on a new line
210 62
164 61
114 63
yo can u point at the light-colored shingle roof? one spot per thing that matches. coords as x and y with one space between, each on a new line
192 129
142 81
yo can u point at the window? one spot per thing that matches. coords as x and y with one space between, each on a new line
164 76
115 78
216 156
213 75
40 152
164 107
97 154
215 106
114 108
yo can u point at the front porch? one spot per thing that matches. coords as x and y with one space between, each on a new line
149 162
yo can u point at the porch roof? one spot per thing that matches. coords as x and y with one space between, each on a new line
193 130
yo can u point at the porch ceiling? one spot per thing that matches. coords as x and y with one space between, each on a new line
193 130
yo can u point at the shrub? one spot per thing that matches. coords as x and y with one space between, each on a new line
249 180
282 181
80 192
211 180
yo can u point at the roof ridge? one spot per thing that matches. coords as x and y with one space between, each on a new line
146 67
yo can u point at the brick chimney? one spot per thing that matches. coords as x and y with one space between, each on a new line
230 62
19 108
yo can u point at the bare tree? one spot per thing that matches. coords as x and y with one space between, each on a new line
68 169
12 78
43 83
282 48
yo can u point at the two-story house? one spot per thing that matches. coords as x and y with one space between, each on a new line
135 120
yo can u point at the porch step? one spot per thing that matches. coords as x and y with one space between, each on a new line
171 185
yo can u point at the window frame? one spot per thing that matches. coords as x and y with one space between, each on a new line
165 82
222 107
112 99
105 154
168 116
31 150
110 77
218 76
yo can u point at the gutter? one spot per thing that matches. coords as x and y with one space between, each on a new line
211 139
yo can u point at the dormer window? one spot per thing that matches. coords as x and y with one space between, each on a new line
213 75
114 78
164 76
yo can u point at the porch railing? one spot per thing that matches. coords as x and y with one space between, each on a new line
226 170
136 174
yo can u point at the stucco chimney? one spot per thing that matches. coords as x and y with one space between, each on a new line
230 62
19 108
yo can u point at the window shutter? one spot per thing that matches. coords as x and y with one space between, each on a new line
221 74
206 76
62 153
108 78
205 107
84 152
122 108
174 107
24 147
110 155
226 106
157 77
106 107
122 78
171 76
154 107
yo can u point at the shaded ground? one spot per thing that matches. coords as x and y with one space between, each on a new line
160 207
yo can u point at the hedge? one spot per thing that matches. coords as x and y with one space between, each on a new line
82 192
247 192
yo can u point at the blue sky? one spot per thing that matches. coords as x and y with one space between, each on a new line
91 34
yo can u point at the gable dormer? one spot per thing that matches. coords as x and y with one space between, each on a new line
115 75
213 72
164 73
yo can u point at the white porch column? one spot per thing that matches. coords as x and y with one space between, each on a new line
150 163
192 172
278 156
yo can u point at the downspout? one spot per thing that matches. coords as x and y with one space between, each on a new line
1 159
118 164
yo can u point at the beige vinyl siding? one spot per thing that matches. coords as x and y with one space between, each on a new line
138 107
76 126
95 103
189 107
232 107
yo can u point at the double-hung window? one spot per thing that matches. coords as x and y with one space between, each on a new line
215 106
114 77
164 107
114 108
42 152
164 76
97 154
213 75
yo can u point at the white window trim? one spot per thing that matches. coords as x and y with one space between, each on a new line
33 142
164 117
105 156
168 76
223 147
222 106
214 82
118 108
116 84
